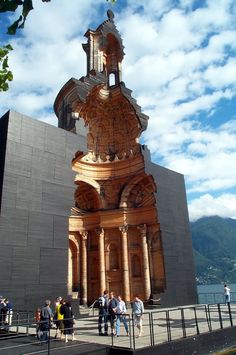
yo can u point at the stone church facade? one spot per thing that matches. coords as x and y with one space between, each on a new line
128 229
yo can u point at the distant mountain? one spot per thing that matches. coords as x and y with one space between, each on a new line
214 244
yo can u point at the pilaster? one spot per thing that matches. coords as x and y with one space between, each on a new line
146 271
125 262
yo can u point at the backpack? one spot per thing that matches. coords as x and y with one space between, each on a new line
101 302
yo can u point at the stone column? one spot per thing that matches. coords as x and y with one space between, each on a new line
125 262
84 271
102 269
146 270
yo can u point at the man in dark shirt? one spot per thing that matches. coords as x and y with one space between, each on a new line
112 311
103 313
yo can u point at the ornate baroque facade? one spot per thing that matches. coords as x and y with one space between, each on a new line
114 232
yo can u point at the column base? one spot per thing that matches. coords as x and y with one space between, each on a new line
154 300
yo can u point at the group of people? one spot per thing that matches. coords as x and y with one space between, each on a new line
6 313
63 318
111 309
114 310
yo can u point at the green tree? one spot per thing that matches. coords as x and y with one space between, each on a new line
5 73
11 6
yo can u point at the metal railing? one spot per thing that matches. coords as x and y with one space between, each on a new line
216 297
159 326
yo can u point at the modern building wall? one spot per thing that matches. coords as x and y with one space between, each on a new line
37 195
176 237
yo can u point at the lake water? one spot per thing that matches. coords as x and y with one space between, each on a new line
215 293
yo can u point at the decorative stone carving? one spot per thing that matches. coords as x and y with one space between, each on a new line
84 235
124 228
113 189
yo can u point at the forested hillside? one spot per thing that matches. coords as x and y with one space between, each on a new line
214 243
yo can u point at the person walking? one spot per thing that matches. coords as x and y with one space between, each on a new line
138 310
103 313
120 316
227 293
58 317
3 313
112 311
9 316
68 320
46 318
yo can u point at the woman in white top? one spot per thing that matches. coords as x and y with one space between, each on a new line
227 294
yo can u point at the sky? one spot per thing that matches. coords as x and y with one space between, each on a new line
180 63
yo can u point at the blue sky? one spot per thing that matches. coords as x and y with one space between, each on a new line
180 63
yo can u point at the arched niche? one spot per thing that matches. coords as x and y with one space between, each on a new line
87 197
113 257
136 266
73 267
139 192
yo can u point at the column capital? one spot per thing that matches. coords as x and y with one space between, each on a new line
84 235
124 228
143 229
100 231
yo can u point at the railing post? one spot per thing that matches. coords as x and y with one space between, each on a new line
133 331
208 317
27 326
196 320
168 325
18 322
230 315
183 323
129 327
49 328
220 316
152 328
112 338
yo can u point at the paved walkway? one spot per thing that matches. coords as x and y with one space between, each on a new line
168 325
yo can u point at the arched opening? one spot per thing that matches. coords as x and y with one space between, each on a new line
112 79
86 198
113 55
73 267
140 192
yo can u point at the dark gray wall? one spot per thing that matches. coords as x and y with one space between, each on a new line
176 238
37 196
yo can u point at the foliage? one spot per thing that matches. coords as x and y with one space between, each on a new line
5 73
214 244
11 6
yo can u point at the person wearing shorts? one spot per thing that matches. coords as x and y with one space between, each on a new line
138 310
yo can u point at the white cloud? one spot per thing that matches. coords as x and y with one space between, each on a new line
207 205
180 63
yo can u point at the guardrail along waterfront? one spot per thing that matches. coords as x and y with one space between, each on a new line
159 326
216 297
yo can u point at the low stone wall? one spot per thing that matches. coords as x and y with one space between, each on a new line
208 343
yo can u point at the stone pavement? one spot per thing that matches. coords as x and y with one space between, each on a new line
159 326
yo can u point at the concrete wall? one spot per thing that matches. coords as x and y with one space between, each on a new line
176 237
37 195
